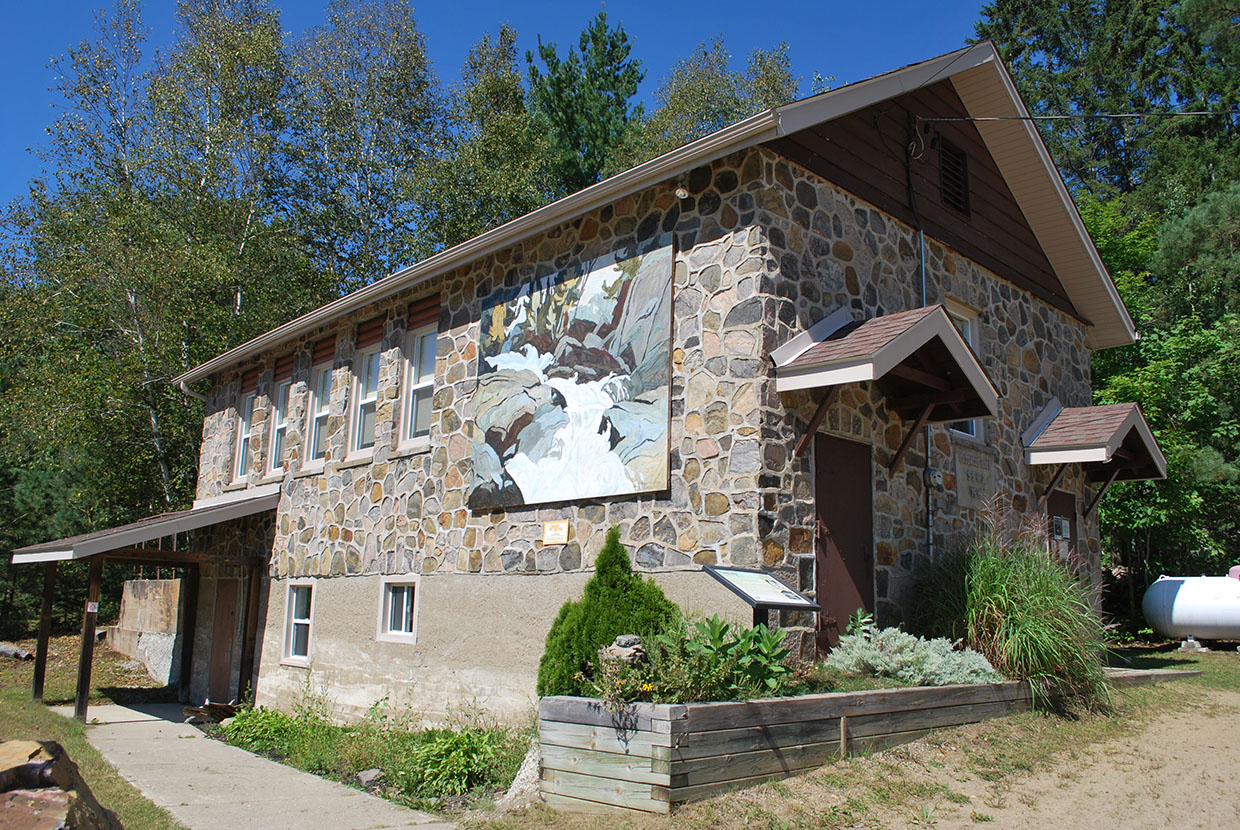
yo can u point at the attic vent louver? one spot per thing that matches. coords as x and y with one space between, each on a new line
954 177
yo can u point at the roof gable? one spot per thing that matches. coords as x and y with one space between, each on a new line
985 89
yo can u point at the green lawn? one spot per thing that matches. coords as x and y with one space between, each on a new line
22 719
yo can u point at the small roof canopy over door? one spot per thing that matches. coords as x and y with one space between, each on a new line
1111 443
917 358
244 503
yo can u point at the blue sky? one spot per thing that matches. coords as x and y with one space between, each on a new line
849 40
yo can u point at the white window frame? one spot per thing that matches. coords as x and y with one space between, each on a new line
279 427
416 382
383 631
318 407
288 658
960 313
356 401
242 449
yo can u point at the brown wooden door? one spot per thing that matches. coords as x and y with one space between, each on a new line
845 540
223 629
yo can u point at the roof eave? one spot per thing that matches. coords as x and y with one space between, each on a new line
752 130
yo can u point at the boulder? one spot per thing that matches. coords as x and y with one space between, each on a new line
41 787
16 652
627 649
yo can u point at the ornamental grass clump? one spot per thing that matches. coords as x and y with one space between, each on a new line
1025 610
616 601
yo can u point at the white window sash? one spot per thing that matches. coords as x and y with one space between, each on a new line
366 368
279 425
421 382
241 463
319 410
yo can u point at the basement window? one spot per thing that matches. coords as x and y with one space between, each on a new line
398 609
954 177
298 625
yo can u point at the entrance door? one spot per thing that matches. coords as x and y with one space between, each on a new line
844 542
223 629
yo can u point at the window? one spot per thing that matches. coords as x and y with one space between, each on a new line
298 625
279 426
319 407
241 465
398 609
966 323
366 399
421 380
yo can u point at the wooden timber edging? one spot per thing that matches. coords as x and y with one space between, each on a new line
649 757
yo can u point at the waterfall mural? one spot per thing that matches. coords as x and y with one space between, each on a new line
574 376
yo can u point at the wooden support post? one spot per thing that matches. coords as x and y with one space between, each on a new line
908 439
249 628
1054 483
1093 504
843 736
816 421
45 632
88 638
189 616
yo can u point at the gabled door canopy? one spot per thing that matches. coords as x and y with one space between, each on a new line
917 358
1111 443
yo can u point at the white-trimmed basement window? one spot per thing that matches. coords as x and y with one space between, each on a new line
966 321
245 417
420 379
365 400
318 407
279 426
298 625
398 609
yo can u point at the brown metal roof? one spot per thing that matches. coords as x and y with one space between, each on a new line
1110 442
1078 425
861 340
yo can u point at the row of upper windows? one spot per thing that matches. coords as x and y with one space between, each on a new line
362 406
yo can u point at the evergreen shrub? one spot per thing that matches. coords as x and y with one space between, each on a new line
615 601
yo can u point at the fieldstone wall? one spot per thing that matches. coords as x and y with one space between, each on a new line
764 249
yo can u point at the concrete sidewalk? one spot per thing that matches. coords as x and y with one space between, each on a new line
208 785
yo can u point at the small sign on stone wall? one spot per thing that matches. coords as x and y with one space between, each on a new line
555 533
975 478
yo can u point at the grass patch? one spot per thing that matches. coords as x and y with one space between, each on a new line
113 677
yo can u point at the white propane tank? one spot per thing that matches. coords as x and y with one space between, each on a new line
1206 607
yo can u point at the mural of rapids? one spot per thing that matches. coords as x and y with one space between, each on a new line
574 374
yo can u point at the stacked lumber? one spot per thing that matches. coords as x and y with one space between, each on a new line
41 789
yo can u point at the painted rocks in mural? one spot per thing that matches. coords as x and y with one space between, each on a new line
574 376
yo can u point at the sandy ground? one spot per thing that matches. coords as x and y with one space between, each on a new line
1180 771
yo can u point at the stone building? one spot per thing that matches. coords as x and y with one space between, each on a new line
837 335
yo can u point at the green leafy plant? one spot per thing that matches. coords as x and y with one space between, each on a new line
452 763
259 730
1024 610
858 621
616 601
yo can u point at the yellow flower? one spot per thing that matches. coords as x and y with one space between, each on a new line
647 687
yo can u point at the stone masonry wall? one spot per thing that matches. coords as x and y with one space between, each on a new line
764 249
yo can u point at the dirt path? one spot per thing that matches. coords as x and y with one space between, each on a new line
1180 771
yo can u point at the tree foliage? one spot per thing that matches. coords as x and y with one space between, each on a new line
585 98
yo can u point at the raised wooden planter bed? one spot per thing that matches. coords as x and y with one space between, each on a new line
650 757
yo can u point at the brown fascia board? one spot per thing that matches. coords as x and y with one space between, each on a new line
1056 221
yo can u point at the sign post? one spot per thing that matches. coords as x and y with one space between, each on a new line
762 591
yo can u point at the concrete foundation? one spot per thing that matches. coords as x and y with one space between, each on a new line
147 629
479 640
